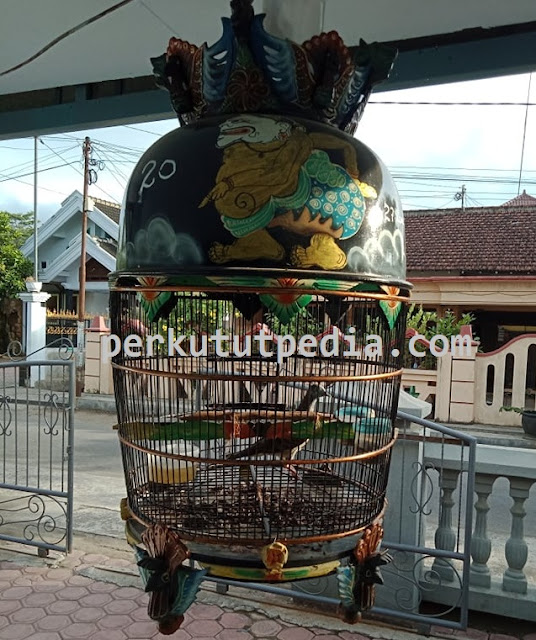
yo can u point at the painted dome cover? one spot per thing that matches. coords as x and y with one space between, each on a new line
269 193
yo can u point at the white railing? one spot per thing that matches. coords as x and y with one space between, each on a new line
503 568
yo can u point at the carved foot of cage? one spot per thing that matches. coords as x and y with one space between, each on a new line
173 586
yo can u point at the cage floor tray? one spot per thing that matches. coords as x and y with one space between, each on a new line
238 504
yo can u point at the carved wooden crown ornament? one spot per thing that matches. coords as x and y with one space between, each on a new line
250 70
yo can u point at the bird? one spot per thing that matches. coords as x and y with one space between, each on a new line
278 437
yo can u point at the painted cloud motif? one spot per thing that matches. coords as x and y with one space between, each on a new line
384 254
159 243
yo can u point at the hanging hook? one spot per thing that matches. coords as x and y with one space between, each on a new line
241 17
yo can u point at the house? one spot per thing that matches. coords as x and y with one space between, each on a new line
59 248
480 260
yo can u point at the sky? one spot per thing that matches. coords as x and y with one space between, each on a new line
430 149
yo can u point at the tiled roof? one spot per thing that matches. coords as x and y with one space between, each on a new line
522 200
110 246
483 240
111 209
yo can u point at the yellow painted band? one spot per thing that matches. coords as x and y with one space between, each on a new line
253 574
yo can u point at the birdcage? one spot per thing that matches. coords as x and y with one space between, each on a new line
258 318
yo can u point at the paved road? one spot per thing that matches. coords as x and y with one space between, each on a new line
99 481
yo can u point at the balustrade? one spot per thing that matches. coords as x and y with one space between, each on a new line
480 542
445 536
516 548
513 593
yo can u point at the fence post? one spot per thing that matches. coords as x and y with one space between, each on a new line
462 388
98 377
35 330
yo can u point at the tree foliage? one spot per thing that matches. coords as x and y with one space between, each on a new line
14 267
22 225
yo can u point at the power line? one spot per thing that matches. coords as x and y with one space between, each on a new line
64 35
159 18
22 165
115 167
456 104
121 148
107 160
153 133
474 202
14 148
415 166
423 179
443 206
81 173
23 175
30 184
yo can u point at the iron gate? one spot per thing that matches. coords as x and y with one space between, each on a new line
36 452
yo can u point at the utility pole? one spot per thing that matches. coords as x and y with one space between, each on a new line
461 196
36 264
524 138
81 336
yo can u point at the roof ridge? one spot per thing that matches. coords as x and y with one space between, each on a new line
108 202
521 200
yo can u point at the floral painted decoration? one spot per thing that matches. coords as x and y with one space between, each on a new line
285 305
155 303
391 308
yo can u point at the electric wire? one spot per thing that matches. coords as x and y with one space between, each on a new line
23 166
30 184
444 206
153 133
452 104
122 185
2 147
109 160
31 173
81 173
159 18
524 137
64 35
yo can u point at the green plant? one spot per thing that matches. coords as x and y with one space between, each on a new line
420 320
520 410
14 267
428 323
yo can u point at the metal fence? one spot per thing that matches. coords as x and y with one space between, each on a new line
428 526
36 452
63 325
